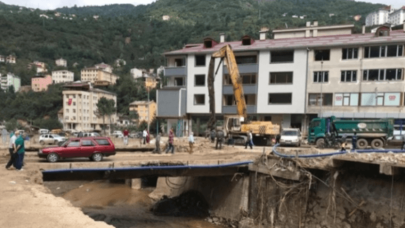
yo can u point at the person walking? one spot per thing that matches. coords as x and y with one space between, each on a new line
191 142
220 139
144 134
171 140
11 148
212 135
344 143
147 137
126 133
20 151
249 140
157 144
278 137
354 141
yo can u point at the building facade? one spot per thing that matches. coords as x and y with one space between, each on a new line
397 17
11 59
80 108
62 76
8 80
2 59
300 74
104 67
41 83
61 62
386 15
98 76
141 107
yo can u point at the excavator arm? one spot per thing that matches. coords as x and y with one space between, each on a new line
226 54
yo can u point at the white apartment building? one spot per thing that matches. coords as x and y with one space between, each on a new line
386 15
358 76
62 76
8 80
98 76
397 17
61 62
80 108
286 79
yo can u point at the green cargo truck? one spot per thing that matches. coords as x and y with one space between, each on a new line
372 133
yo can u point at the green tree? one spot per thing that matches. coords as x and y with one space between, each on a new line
106 107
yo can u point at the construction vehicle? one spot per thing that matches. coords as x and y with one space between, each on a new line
237 126
372 133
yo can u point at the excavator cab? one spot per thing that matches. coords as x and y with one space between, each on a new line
232 123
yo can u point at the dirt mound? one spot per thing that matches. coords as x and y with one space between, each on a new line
188 204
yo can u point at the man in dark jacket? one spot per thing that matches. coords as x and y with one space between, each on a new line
354 141
220 138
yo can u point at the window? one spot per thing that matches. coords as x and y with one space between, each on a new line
246 40
380 99
322 55
315 99
208 43
246 59
280 98
179 62
281 77
350 53
179 81
103 142
200 60
250 99
281 56
321 76
383 51
346 99
74 144
199 99
199 80
248 79
87 143
382 75
229 100
348 76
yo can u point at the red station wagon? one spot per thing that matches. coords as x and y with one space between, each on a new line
94 148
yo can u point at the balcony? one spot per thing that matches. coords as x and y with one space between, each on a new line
232 109
171 102
175 71
247 89
245 68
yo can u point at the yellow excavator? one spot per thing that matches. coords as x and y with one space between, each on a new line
236 126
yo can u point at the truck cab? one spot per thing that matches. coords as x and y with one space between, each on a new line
317 129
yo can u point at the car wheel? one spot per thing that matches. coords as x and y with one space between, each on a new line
52 157
320 143
42 142
97 157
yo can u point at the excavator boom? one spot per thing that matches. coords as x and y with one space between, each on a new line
226 54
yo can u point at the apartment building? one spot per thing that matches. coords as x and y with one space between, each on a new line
11 59
80 108
40 66
8 80
141 107
386 15
98 76
62 76
397 17
104 67
61 62
41 82
300 74
2 59
358 76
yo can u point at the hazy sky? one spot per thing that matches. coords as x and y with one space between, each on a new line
52 4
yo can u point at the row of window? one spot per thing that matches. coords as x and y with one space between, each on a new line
355 99
319 55
368 75
250 99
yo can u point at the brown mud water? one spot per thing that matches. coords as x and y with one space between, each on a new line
123 207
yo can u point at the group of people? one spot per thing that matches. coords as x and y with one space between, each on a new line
17 151
344 142
145 136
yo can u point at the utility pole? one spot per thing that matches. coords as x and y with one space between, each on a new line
148 89
322 81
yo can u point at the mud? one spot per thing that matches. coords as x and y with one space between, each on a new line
118 205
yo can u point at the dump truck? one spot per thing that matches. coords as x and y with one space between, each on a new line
237 126
372 133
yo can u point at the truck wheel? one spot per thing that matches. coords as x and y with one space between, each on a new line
320 143
377 144
362 144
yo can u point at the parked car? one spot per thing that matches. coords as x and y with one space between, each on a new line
135 135
290 137
94 148
117 134
395 142
43 131
51 139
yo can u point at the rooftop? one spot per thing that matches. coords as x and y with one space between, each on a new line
396 36
141 102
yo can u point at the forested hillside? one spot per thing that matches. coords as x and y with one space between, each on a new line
138 34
